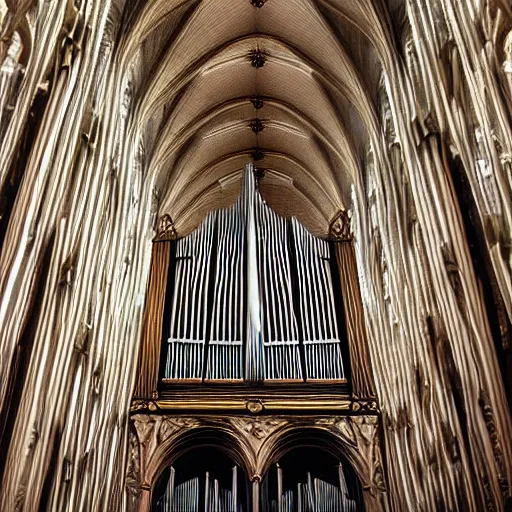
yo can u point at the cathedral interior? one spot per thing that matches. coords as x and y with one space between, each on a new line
255 255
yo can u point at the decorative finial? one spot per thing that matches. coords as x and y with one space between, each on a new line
339 229
257 58
166 229
259 173
257 155
256 125
257 102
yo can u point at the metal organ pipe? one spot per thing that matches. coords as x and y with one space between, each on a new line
314 495
245 254
254 341
185 497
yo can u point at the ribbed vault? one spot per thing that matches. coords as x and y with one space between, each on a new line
218 84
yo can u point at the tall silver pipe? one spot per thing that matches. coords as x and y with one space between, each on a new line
279 488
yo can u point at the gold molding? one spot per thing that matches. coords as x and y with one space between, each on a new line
265 404
256 404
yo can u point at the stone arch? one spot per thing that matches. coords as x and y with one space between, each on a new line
225 438
163 439
353 439
255 442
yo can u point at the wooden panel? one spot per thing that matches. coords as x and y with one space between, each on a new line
149 358
362 379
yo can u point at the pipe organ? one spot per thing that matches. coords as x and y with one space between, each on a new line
251 298
247 339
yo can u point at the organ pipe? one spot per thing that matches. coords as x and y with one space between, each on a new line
185 497
254 358
313 495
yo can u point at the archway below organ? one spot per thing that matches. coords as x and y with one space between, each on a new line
305 479
311 479
203 479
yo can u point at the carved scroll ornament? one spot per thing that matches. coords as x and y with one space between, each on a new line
166 229
258 441
339 228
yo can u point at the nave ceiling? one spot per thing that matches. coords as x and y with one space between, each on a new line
215 83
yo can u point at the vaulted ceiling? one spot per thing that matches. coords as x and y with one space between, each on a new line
289 84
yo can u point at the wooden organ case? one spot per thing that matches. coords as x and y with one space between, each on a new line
254 390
